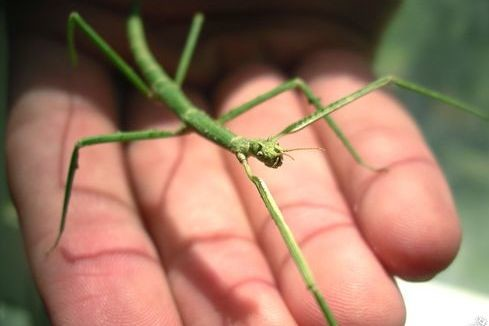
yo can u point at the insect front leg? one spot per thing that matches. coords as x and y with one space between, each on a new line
289 239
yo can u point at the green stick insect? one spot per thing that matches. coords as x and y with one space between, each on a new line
158 85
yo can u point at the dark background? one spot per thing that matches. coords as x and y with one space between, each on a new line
442 44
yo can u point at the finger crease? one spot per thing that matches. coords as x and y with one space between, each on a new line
302 204
315 234
186 247
104 195
104 254
369 183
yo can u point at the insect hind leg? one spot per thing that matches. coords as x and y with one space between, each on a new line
117 137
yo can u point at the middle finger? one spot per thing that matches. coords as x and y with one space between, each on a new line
345 269
216 271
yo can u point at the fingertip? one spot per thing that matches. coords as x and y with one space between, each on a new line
406 214
356 287
414 229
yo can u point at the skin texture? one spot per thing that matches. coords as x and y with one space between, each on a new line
172 232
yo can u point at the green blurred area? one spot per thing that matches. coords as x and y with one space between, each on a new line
442 44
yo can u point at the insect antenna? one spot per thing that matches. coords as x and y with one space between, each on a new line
303 149
285 151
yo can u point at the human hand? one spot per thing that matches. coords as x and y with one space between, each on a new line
171 231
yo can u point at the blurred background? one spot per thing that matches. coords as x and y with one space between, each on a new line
442 44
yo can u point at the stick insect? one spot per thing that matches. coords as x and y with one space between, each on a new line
158 85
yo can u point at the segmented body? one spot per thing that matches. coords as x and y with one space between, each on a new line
168 91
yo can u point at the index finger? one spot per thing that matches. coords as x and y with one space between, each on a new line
105 267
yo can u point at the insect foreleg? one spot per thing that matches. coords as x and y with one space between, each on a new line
290 242
117 137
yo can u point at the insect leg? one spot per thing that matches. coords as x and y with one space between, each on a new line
323 111
189 48
290 242
117 137
301 85
75 20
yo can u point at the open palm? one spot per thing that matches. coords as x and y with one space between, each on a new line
172 232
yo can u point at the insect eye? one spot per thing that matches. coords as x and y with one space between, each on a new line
259 153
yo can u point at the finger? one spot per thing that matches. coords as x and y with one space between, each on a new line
216 270
305 189
105 268
406 214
